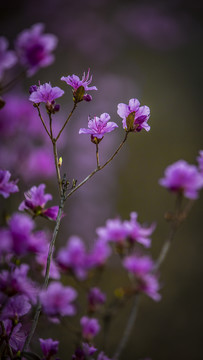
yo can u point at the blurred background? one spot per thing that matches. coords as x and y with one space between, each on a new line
153 51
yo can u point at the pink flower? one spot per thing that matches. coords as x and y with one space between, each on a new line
49 347
75 81
200 161
181 177
99 126
90 327
7 187
34 48
8 58
46 93
134 116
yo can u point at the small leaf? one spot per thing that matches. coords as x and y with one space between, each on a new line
130 121
79 93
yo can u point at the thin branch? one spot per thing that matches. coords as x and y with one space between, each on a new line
99 168
67 120
41 118
57 165
128 329
97 156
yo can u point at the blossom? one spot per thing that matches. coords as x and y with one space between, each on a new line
8 58
73 257
181 177
75 81
98 126
102 356
134 116
46 93
137 232
15 335
35 201
20 227
57 300
142 268
7 187
200 161
34 48
15 307
99 253
90 327
96 298
49 347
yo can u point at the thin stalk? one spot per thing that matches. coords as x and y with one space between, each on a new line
43 123
57 165
50 125
97 156
46 279
99 168
128 329
67 120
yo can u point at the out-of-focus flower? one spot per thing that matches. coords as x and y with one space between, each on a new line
34 48
15 307
123 232
35 201
7 187
57 300
181 177
20 227
134 116
17 282
89 350
102 356
142 268
49 347
90 327
96 298
46 93
99 253
200 161
99 126
8 58
74 258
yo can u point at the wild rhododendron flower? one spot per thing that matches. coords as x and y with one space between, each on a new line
8 58
99 126
90 327
181 177
15 335
200 161
46 93
15 307
7 187
34 48
134 116
57 300
49 347
75 81
142 268
96 298
35 201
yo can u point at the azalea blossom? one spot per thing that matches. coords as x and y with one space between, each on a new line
134 116
34 48
181 177
46 93
75 82
90 327
99 126
7 187
8 58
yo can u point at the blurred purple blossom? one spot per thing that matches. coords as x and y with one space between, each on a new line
96 298
57 300
134 116
8 58
181 177
90 327
99 126
142 268
89 350
15 307
200 161
34 48
7 187
49 347
35 201
15 334
99 253
102 356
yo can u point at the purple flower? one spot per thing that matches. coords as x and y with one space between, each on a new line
73 257
99 254
17 282
102 356
138 233
114 231
90 327
200 161
8 58
89 350
15 307
142 268
181 177
75 81
99 126
6 187
96 298
34 48
49 347
57 300
46 93
35 201
15 334
20 227
134 116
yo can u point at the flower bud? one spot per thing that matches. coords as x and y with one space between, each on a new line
87 97
32 89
